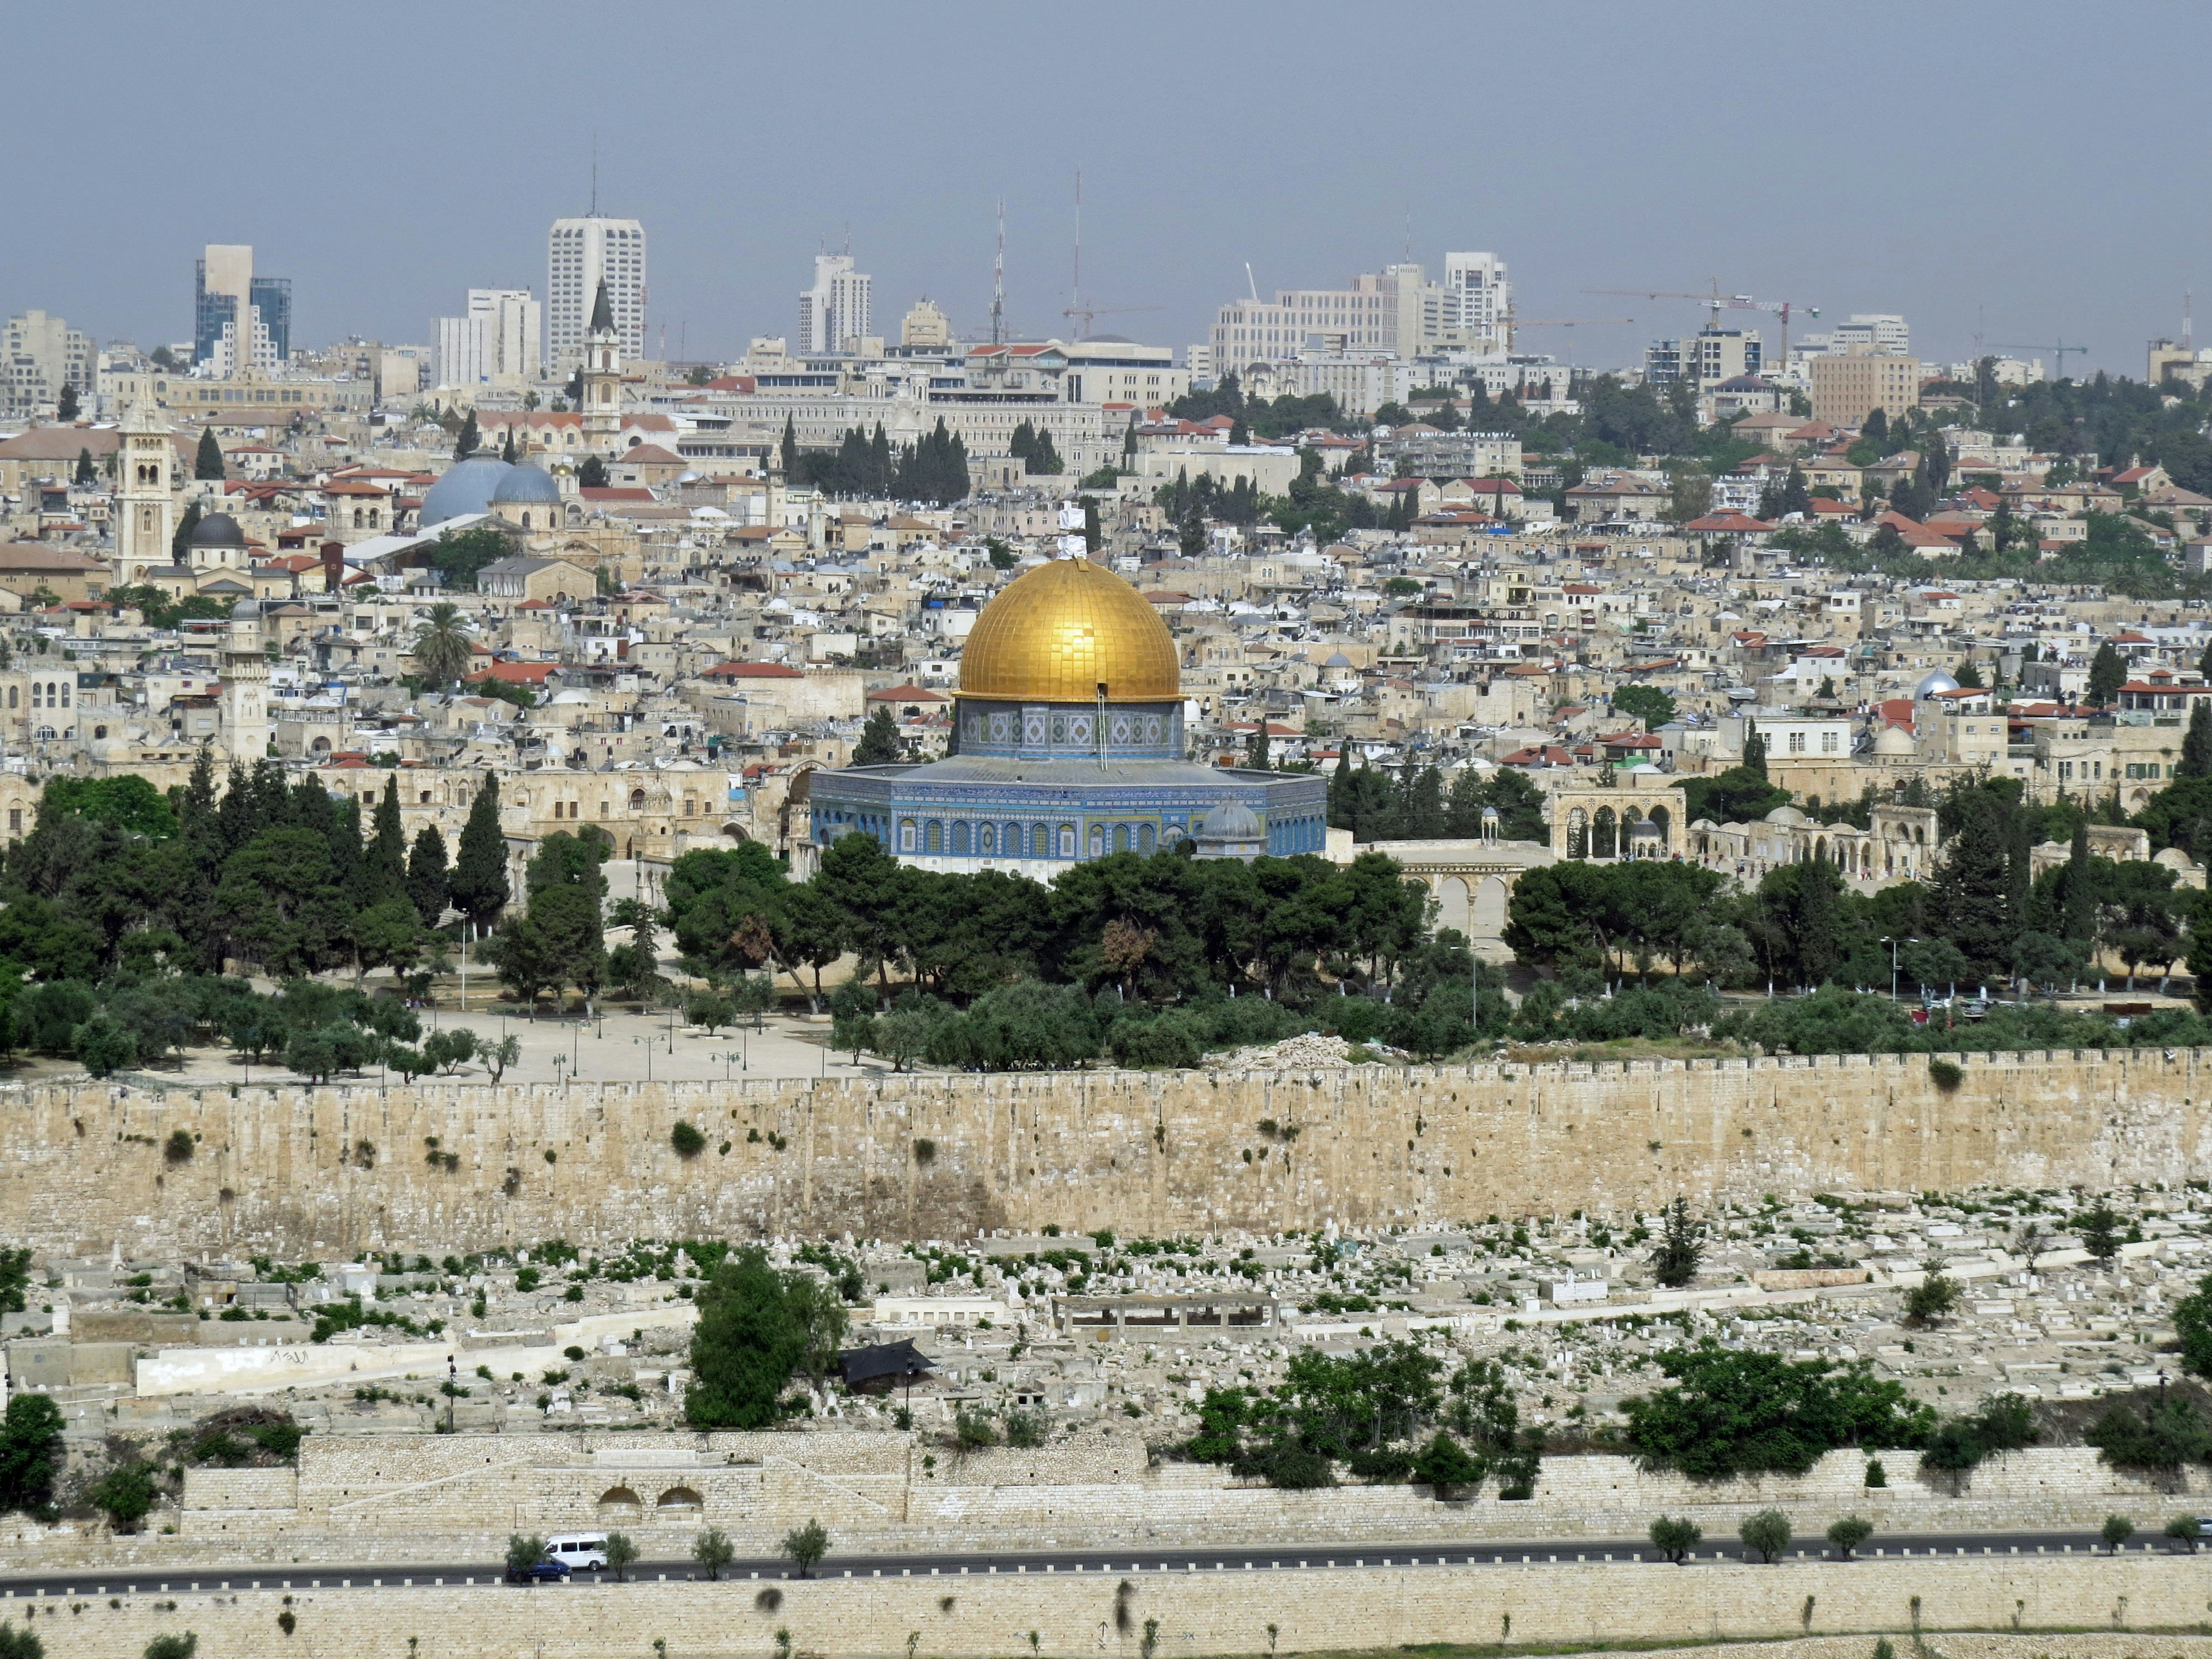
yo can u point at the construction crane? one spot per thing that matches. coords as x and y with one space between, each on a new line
1715 302
1086 312
2058 353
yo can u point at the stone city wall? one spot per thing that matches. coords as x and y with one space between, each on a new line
1197 1613
300 1170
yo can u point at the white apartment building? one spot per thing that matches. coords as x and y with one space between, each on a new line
1116 371
1867 332
38 356
493 343
834 314
1397 311
579 255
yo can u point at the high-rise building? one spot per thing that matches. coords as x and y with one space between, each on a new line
1712 355
1398 311
38 356
1845 387
924 327
239 320
496 340
835 311
579 255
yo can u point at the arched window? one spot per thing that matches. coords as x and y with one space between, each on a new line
1067 841
99 730
1120 837
935 837
1040 841
425 799
66 694
987 839
1146 838
11 696
637 800
906 835
959 838
1097 840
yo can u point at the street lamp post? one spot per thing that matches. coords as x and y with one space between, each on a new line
1892 941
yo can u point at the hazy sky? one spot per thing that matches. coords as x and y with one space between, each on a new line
2033 171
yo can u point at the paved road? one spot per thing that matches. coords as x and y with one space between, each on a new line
1245 1558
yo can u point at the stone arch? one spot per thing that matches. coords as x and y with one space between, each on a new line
679 1498
1605 835
1454 907
1577 830
1665 821
736 832
1490 908
620 1502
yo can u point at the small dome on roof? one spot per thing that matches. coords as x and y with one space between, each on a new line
1231 820
1337 660
245 611
217 529
526 486
465 487
1938 681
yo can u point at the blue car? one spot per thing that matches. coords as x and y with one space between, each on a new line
538 1572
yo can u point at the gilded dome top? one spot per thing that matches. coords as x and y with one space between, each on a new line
1058 632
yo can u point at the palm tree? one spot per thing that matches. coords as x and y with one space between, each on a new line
441 644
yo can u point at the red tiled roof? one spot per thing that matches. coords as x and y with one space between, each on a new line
515 673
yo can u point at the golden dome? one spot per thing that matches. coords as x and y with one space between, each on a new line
1055 635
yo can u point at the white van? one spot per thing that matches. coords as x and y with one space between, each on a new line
579 1551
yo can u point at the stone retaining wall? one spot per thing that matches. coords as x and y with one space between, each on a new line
305 1172
1074 1616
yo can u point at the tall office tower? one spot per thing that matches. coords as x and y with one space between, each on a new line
240 320
495 340
1485 296
579 255
834 312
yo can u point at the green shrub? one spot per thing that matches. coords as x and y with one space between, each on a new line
1766 1532
1674 1539
1945 1074
1847 1534
688 1141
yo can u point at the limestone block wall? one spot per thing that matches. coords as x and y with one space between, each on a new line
1198 1612
456 1497
341 1170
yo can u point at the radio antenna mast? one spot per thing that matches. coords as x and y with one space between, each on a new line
595 175
999 282
1076 297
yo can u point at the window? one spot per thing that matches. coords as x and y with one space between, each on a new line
906 835
1828 742
1796 743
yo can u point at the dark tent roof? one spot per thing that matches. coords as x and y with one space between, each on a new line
882 1359
603 314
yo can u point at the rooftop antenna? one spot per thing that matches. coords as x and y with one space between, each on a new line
1075 298
1250 283
2188 328
595 175
999 282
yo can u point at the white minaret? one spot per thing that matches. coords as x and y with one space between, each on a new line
602 379
145 508
245 686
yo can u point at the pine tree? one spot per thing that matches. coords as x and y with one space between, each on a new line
2197 742
1876 427
1970 676
1255 749
477 886
1463 807
67 406
1974 886
1796 497
879 744
592 473
86 473
425 875
208 462
466 445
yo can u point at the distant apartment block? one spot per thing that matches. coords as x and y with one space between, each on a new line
38 356
493 343
1397 310
1845 390
579 255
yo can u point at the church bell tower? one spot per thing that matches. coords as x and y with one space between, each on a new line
145 507
602 374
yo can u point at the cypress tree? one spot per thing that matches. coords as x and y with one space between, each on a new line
425 876
207 462
1339 790
239 813
787 451
2197 742
466 445
86 472
1754 750
2108 673
1974 885
2077 904
386 874
187 521
477 886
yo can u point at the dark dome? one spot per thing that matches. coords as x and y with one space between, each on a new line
526 486
217 529
466 488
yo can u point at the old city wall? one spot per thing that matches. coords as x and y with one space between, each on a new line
1197 1613
317 1171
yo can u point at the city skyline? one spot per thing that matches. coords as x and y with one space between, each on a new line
1615 168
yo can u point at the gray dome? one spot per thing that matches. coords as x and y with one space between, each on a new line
245 611
1938 681
466 488
1231 820
217 529
1337 660
526 486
